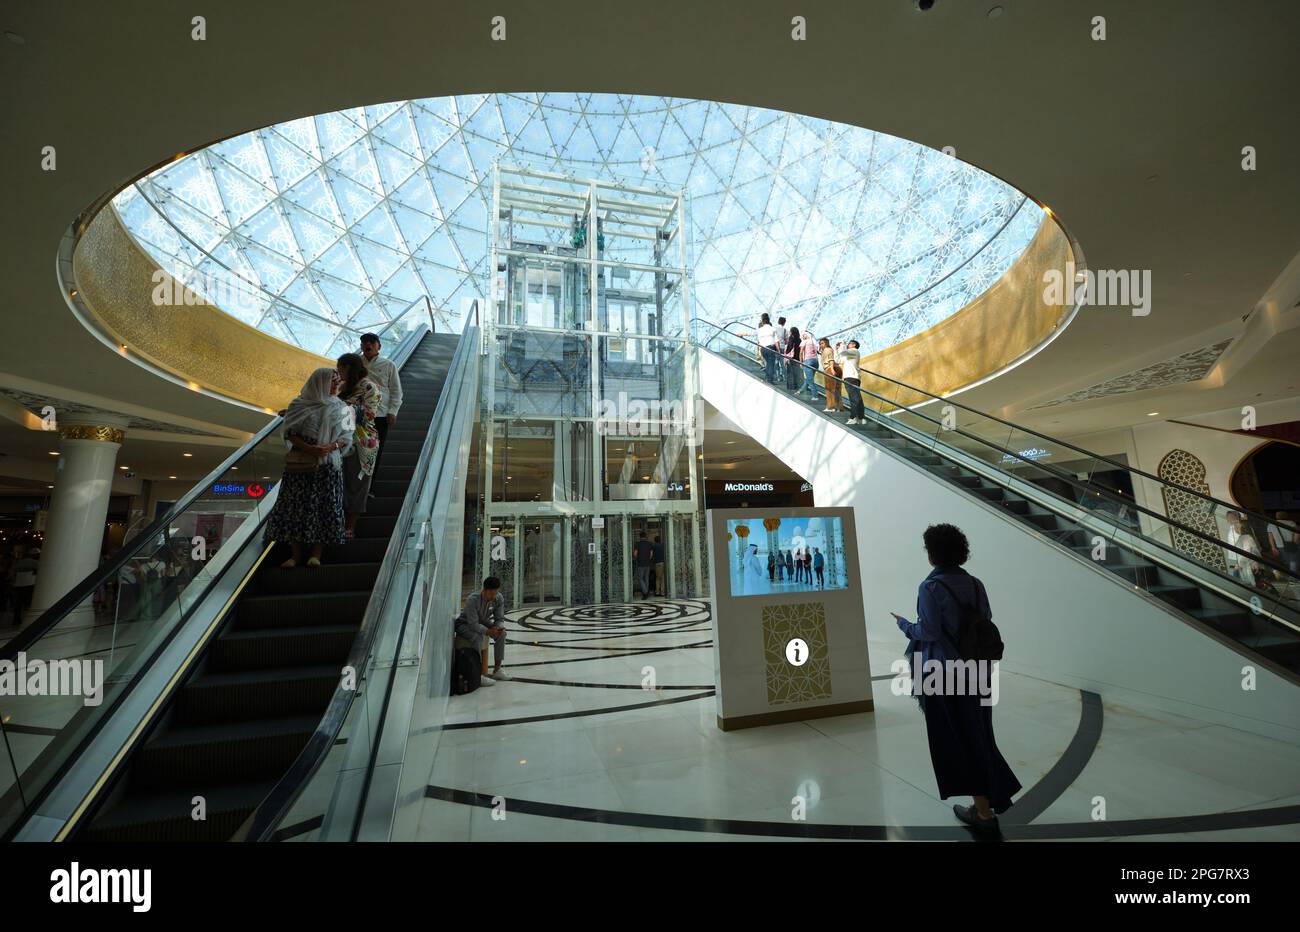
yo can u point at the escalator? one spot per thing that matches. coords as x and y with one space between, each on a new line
239 705
252 701
1185 562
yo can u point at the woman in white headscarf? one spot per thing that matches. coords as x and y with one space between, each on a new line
318 430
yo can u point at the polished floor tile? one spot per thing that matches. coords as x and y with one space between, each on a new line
581 762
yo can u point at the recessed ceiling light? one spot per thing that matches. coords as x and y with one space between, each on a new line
49 486
171 477
54 453
187 454
1152 413
123 467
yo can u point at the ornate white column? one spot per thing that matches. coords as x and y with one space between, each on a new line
82 487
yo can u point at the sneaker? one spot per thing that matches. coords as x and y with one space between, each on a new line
828 410
851 421
500 675
486 681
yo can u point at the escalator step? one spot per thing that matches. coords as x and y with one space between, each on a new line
385 505
388 489
225 752
374 525
168 817
254 694
1184 597
352 577
306 608
268 648
354 551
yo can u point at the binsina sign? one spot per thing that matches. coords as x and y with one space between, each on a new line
238 490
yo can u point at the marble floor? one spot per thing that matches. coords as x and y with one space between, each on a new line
606 731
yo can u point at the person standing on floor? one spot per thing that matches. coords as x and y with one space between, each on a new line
362 395
847 358
318 430
384 374
660 575
789 566
644 554
819 567
958 722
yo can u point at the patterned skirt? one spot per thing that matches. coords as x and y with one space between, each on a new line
309 509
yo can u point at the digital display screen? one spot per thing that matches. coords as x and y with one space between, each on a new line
775 555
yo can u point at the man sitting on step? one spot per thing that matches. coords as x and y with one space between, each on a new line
485 613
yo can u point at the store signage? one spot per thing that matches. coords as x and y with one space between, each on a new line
238 490
748 487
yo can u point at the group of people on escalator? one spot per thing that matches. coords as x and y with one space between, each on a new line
335 432
811 367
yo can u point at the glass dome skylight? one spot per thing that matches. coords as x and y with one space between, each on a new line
342 220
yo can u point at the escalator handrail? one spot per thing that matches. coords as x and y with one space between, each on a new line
1068 478
1271 522
145 538
265 819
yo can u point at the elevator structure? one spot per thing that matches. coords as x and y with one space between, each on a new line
589 429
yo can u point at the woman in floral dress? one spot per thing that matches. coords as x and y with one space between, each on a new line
309 505
362 395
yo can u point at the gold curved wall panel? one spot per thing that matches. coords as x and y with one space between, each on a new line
985 336
197 343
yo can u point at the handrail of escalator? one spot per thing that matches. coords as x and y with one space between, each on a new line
1070 479
266 818
1213 502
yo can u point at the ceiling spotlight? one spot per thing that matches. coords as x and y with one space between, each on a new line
54 453
124 467
187 454
1152 413
171 477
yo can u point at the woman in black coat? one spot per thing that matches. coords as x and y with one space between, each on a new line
964 753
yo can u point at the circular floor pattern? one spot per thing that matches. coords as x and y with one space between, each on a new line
623 619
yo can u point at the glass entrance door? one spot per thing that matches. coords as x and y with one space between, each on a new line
542 581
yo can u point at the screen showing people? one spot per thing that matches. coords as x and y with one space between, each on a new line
772 556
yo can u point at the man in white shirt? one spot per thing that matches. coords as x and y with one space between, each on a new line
847 357
384 374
